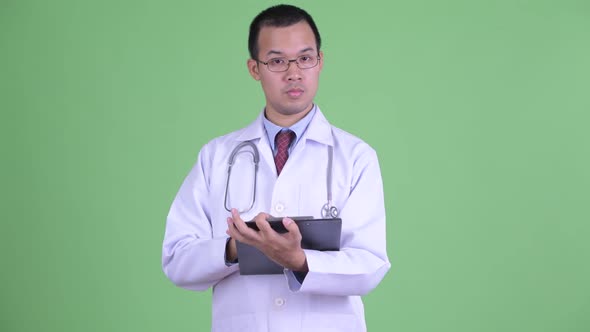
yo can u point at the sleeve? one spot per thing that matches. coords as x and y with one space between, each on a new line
191 257
362 261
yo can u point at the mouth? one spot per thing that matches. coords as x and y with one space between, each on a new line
294 92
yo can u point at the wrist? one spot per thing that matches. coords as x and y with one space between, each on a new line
231 253
300 264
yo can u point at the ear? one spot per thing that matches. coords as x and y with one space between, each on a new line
321 60
253 69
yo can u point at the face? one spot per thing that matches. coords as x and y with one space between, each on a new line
289 94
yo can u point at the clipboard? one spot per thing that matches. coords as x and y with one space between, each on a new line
316 234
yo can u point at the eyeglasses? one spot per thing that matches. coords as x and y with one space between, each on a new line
282 64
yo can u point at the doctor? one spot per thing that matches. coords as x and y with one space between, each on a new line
319 291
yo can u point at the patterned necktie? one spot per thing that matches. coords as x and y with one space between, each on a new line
282 142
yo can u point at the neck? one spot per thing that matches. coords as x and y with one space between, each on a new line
286 120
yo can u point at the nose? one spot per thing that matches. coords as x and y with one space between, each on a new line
293 73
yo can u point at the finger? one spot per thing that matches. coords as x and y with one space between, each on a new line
249 236
238 222
242 232
232 230
292 227
262 223
235 215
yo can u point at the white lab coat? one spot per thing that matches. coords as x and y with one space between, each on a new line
329 297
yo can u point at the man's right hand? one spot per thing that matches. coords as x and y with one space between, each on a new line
284 249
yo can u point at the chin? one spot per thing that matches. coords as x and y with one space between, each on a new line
296 108
292 111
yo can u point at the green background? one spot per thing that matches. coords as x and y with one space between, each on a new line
478 111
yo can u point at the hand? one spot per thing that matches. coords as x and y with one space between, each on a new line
284 249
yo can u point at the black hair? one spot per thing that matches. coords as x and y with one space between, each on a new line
279 16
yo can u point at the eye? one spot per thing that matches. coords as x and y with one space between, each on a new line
305 59
276 61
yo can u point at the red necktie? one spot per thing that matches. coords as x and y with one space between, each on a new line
282 142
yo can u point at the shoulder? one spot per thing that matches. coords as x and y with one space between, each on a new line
220 144
223 140
351 145
344 142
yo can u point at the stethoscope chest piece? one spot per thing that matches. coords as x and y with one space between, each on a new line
329 211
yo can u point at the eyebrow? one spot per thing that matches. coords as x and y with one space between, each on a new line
274 52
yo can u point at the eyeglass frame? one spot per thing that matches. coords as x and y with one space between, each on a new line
289 63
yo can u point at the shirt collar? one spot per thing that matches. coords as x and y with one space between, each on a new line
298 128
318 130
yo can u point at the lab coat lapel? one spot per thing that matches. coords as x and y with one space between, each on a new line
319 130
255 132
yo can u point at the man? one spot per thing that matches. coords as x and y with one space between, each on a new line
318 291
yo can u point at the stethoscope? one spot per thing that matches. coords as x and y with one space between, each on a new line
328 209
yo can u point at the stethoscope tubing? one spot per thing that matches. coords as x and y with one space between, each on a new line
231 160
328 210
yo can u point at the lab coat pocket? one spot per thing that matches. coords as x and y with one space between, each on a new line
237 323
324 322
313 195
